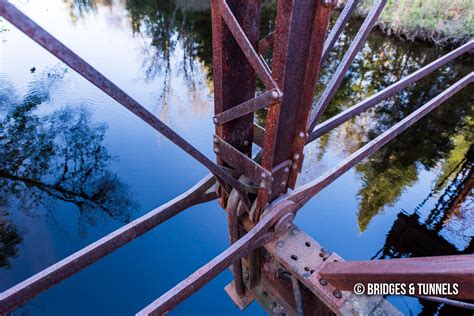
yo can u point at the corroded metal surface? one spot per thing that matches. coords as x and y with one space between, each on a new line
450 270
301 27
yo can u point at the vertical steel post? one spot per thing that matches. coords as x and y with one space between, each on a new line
234 83
301 29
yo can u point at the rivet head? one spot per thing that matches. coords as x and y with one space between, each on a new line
216 150
301 134
215 140
263 175
323 282
326 3
262 185
294 232
214 120
246 142
337 294
283 184
287 170
296 156
275 95
280 244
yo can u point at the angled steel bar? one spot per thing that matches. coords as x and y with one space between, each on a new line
54 46
258 135
337 28
450 270
254 238
244 43
304 193
250 106
448 301
391 90
26 290
346 61
266 43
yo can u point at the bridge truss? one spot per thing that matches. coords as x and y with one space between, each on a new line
256 168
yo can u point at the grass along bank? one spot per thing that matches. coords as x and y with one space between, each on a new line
442 22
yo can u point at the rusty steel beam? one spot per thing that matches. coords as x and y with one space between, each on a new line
391 90
451 270
247 47
231 70
254 238
234 88
250 106
304 193
346 61
63 53
26 290
337 28
300 28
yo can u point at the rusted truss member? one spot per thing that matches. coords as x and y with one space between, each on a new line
282 143
298 198
391 90
347 60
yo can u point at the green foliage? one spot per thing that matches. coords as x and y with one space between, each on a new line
440 21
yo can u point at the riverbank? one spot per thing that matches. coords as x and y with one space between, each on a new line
440 22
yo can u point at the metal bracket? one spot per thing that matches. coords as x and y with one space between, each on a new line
240 162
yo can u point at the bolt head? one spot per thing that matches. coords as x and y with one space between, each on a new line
323 282
301 134
326 3
275 95
294 232
296 156
214 120
262 184
215 140
337 294
263 175
216 150
283 184
246 142
287 170
280 244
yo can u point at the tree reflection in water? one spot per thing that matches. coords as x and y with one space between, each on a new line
410 237
49 156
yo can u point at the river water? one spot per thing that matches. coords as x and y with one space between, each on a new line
75 165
